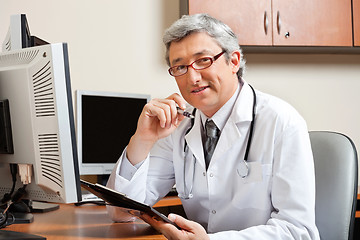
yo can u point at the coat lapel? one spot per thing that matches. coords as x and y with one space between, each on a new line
241 116
194 142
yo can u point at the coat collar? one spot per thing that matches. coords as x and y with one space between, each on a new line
242 112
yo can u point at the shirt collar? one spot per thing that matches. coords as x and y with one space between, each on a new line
222 115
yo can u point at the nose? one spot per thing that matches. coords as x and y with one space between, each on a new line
193 76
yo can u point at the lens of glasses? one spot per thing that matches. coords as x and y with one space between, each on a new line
178 70
202 63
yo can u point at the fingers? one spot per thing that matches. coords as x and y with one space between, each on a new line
181 222
166 110
189 230
178 99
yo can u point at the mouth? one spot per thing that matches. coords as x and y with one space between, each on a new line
200 89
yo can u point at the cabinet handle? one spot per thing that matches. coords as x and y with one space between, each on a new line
266 22
278 22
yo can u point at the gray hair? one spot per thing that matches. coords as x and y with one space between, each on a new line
216 29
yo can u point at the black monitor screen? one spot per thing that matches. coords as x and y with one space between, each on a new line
107 124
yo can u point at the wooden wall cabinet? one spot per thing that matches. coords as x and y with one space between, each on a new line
356 22
283 22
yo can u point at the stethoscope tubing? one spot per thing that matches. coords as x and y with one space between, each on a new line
252 125
244 171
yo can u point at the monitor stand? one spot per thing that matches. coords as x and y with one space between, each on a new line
22 211
41 207
11 235
22 214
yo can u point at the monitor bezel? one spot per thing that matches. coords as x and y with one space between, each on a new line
97 168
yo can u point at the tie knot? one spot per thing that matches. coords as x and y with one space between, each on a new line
211 129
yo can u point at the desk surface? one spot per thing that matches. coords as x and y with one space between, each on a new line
84 222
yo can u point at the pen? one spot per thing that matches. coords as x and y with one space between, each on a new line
185 113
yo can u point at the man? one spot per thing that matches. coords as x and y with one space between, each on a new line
267 194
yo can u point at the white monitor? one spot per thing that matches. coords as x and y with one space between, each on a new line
18 35
105 123
36 83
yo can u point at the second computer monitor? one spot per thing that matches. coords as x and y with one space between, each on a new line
105 123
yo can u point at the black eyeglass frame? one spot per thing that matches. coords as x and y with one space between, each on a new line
212 60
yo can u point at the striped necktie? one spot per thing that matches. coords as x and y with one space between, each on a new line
212 137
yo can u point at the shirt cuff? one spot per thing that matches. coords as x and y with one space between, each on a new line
127 170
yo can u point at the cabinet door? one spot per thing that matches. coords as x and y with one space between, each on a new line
249 19
356 19
312 22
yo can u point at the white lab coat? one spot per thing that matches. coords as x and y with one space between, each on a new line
275 201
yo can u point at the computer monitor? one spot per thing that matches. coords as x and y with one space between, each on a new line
105 123
18 35
35 82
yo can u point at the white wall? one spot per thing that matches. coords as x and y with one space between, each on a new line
325 88
117 46
113 45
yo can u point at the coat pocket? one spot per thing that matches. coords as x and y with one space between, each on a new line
253 191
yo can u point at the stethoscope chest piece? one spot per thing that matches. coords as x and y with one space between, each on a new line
243 169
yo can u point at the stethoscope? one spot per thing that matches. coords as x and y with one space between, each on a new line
242 169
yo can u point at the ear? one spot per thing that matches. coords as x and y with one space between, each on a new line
235 61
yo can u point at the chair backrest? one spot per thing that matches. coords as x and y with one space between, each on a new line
336 173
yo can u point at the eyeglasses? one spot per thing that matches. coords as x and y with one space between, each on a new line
199 64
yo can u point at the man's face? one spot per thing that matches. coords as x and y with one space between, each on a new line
207 89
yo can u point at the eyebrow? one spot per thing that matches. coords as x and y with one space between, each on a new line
203 52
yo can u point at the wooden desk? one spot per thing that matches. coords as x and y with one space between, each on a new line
84 222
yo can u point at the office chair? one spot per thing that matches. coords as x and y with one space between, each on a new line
336 174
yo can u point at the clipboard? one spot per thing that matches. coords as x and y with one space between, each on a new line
118 199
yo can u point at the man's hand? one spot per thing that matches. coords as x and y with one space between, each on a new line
158 119
190 230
